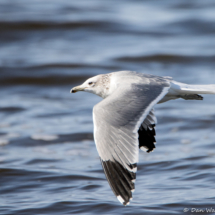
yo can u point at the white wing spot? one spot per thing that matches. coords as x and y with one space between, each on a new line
144 148
134 169
127 203
120 199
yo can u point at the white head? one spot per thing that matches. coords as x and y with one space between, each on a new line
91 85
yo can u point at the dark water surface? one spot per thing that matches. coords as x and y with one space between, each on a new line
48 160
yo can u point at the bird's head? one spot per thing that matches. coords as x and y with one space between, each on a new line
90 85
99 85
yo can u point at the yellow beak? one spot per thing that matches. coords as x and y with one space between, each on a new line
76 89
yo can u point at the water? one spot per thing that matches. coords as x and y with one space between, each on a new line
48 160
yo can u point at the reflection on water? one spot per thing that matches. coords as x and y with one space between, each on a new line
48 160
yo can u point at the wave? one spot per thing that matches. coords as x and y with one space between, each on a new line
75 137
43 25
167 58
45 80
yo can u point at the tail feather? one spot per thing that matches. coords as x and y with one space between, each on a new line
191 97
182 88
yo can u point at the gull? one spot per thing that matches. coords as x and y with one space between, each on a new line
124 121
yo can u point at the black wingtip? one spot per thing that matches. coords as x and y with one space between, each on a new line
120 180
147 138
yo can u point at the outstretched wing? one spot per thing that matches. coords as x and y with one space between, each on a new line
117 119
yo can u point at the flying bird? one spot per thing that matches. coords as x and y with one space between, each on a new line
124 121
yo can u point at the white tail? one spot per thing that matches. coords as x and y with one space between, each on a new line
181 88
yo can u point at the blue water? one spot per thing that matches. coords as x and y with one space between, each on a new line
48 160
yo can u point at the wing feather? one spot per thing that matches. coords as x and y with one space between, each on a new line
147 133
117 119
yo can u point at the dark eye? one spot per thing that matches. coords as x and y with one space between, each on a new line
90 83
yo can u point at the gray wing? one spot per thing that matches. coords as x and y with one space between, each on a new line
117 119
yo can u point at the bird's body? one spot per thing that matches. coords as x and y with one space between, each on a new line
124 120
